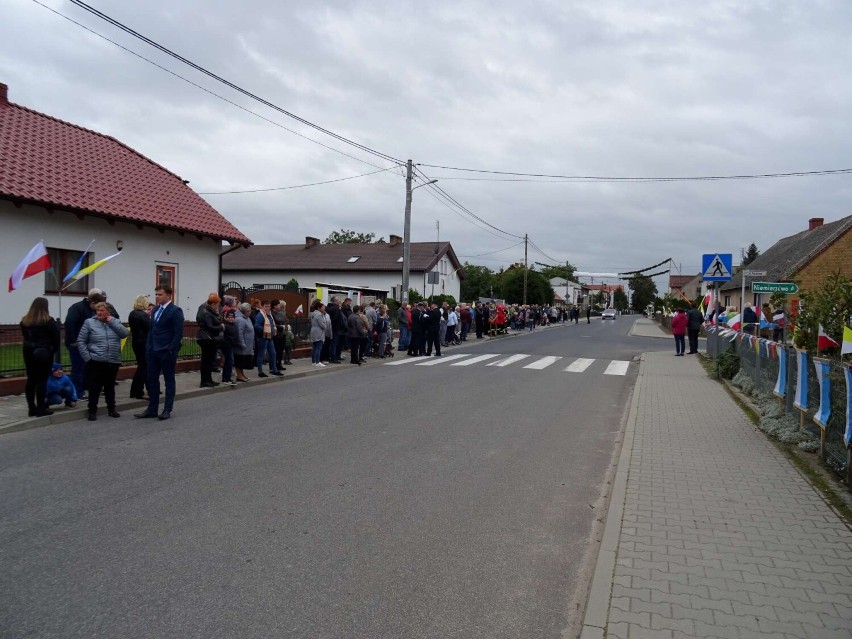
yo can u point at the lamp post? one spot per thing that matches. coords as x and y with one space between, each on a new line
406 241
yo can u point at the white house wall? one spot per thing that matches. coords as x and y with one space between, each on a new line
130 274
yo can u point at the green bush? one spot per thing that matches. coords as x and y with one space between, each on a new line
728 364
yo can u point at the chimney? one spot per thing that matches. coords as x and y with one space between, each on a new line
395 240
815 222
4 93
311 242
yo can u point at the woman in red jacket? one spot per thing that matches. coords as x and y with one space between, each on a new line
679 323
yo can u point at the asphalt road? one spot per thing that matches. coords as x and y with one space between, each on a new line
376 501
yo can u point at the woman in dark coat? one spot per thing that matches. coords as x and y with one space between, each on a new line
41 344
140 323
357 333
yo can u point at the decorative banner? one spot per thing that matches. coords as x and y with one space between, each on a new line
847 436
801 400
824 412
781 384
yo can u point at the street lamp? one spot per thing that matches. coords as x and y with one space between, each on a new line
406 241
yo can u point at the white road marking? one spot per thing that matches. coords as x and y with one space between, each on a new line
617 367
579 365
440 360
474 360
508 360
402 361
544 362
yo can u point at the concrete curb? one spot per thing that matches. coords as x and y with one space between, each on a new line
597 607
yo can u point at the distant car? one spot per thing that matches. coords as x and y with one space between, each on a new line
608 314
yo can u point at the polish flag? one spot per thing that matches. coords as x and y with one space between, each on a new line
299 311
824 341
35 262
735 322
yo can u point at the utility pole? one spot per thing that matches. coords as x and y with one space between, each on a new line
526 268
406 241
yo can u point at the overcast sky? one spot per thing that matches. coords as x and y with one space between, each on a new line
597 88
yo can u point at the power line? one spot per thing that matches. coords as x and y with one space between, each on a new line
463 208
535 246
235 87
492 252
298 186
206 90
594 178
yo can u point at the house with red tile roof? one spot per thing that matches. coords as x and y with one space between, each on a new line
67 185
369 270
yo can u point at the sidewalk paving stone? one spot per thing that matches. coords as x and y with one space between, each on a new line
741 545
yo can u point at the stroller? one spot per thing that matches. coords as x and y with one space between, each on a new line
373 350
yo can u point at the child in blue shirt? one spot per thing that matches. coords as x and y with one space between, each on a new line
60 388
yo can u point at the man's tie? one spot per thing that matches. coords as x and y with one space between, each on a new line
157 314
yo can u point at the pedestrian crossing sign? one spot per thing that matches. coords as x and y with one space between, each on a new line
717 267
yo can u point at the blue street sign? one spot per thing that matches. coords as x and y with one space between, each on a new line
717 267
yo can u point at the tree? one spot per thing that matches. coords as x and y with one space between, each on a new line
644 290
345 236
511 287
414 296
478 282
565 272
619 299
292 285
749 255
829 306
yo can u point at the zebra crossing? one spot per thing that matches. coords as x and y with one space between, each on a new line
530 362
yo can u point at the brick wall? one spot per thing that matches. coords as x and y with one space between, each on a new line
837 258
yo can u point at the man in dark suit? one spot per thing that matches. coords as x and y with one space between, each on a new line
433 330
162 348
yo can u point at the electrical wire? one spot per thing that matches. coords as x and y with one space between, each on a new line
233 86
536 248
493 252
594 178
298 186
206 90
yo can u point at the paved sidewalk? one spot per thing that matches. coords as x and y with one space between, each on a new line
711 532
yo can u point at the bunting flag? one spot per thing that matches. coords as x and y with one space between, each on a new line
79 264
801 400
824 341
733 336
780 389
299 311
34 263
705 304
735 322
824 412
778 319
847 435
90 269
847 341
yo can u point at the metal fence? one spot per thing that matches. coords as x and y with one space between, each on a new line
763 365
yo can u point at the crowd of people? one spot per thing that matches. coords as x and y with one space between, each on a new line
687 322
234 339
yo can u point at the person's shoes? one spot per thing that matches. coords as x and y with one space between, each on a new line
42 412
113 413
437 354
207 385
321 365
70 404
229 383
280 374
164 415
145 415
93 417
81 396
243 379
261 374
288 362
32 411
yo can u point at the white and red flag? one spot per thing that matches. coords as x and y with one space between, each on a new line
34 263
735 322
824 341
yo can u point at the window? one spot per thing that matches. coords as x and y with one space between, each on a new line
167 274
62 261
353 259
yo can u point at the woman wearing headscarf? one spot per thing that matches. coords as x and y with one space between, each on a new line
140 323
229 338
100 347
41 343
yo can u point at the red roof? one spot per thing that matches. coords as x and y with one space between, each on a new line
54 163
679 281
